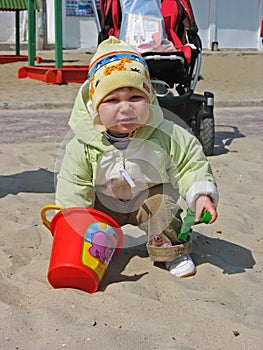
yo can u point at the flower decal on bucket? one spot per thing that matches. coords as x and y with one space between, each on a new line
98 247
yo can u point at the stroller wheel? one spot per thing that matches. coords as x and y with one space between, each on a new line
207 134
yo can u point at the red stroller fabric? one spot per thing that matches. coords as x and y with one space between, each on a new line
169 9
113 8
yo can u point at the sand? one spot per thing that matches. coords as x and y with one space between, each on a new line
138 305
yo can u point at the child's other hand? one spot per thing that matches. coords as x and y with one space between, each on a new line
202 203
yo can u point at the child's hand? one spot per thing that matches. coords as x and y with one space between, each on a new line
202 203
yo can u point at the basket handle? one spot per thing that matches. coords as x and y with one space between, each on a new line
44 210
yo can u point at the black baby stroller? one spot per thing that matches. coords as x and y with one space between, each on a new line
177 69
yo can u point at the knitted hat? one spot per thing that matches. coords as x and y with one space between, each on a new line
115 65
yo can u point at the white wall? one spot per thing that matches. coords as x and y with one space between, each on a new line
233 23
201 12
8 26
79 32
50 22
238 26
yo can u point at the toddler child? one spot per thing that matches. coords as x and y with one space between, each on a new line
127 161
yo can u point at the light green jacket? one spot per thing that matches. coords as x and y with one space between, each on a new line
159 152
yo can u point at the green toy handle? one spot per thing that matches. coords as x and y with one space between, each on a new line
205 218
189 221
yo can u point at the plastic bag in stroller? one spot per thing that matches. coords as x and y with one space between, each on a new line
166 34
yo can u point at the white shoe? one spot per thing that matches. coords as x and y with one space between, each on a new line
182 267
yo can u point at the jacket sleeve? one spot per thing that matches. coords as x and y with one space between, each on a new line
74 183
191 169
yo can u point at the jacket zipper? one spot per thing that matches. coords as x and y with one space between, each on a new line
124 173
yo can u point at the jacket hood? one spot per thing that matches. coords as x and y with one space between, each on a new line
82 121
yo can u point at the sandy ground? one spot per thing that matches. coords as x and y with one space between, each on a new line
138 305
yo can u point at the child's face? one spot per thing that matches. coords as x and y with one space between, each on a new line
124 110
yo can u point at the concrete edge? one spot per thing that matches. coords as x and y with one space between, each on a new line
35 105
64 105
240 103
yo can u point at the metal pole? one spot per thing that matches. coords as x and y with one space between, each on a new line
95 12
31 33
44 23
17 33
58 33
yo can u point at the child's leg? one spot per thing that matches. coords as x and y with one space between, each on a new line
118 216
159 217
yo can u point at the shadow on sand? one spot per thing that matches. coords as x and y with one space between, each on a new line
32 181
229 257
224 136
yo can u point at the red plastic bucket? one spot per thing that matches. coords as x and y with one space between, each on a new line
84 241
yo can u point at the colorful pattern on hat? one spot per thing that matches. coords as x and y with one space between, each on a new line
112 57
114 67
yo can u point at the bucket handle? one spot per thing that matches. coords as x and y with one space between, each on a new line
44 210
